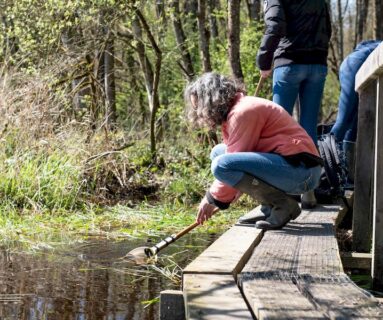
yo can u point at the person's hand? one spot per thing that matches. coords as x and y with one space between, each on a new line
205 211
266 73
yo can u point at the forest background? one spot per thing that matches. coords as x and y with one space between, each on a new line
93 133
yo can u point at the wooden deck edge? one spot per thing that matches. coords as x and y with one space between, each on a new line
210 282
228 254
214 297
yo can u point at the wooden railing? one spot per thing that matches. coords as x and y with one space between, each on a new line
368 196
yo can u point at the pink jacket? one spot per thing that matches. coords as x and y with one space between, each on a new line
259 125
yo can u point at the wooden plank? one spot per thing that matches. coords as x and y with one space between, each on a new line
318 252
278 299
275 253
377 247
371 69
356 260
228 254
172 305
362 216
296 273
340 298
213 297
320 214
305 246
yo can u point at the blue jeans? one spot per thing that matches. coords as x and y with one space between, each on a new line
269 167
305 81
345 127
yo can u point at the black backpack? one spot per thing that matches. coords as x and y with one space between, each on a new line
333 177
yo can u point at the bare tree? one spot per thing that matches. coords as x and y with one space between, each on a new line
361 20
254 9
378 19
79 84
187 64
151 76
109 83
234 38
203 36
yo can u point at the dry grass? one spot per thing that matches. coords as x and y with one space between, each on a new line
38 117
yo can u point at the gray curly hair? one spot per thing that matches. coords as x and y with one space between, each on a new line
213 95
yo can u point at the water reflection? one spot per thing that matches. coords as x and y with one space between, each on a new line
89 281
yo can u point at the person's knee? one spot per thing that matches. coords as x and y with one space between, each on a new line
218 150
219 168
216 166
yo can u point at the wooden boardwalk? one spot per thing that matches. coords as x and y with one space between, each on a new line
296 272
293 273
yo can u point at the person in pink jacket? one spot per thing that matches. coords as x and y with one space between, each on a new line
265 153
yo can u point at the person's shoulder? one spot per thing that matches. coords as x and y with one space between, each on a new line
251 106
248 103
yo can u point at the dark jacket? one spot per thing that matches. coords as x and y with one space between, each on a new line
297 31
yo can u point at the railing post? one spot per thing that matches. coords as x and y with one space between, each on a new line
377 236
363 185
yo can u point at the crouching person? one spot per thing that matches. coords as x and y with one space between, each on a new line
265 153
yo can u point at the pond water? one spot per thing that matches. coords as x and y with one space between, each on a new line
91 280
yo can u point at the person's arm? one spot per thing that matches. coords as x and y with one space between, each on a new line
275 21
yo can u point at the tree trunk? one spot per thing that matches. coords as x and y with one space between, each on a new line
221 18
187 64
378 19
234 38
151 78
211 6
160 10
110 85
10 44
135 96
254 9
340 29
77 84
356 22
161 16
362 11
145 65
203 36
190 8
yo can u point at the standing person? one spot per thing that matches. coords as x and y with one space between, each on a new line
345 127
265 153
296 40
